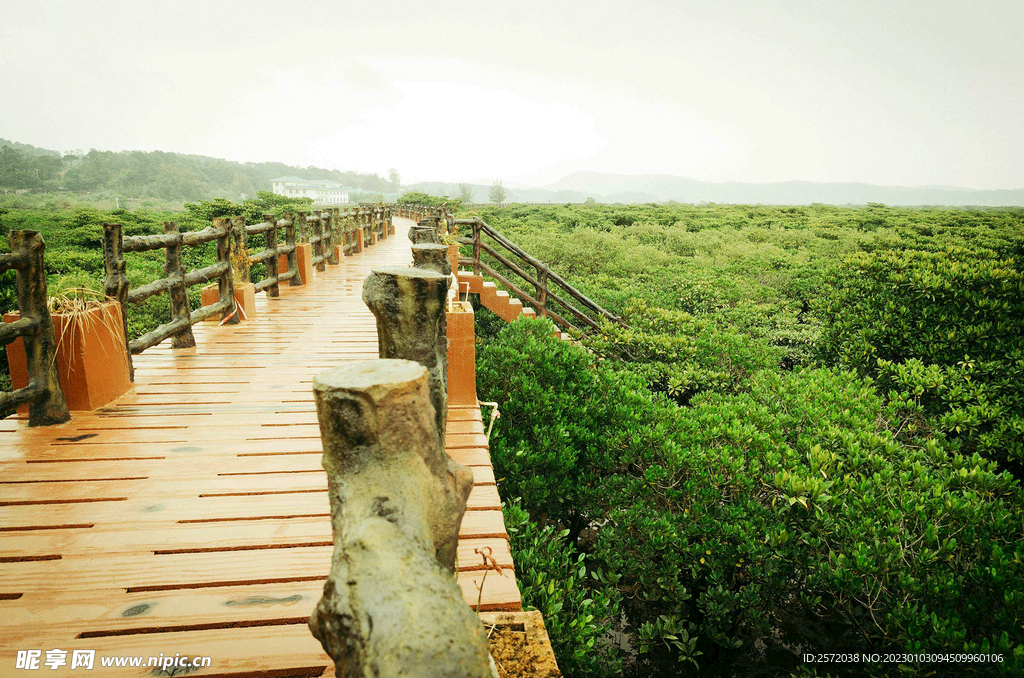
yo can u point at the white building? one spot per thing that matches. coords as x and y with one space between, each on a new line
319 190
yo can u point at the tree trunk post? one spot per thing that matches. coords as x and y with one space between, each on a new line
293 255
180 307
48 407
115 280
396 506
332 225
425 231
410 304
226 282
270 243
432 257
318 242
240 251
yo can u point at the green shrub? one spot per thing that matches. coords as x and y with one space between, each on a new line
751 526
563 422
579 609
943 331
681 355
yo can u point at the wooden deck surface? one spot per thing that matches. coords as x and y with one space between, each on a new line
153 526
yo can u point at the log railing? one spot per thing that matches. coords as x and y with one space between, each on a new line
175 282
323 229
271 253
551 296
42 394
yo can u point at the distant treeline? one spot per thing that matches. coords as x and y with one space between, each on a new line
157 174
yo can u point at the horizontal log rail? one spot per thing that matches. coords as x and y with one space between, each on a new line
42 394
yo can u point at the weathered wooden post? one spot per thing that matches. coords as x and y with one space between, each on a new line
332 240
293 255
391 606
359 240
476 247
302 227
347 243
270 243
240 251
43 392
543 271
318 243
409 304
115 280
178 293
432 257
226 283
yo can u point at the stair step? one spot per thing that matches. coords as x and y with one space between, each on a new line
528 312
475 282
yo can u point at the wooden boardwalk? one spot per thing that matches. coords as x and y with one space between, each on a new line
191 516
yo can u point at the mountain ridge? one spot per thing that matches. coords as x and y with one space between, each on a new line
643 188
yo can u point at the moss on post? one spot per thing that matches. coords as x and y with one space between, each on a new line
391 606
178 293
409 304
48 406
115 280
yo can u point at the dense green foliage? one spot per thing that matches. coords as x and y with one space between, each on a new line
418 198
942 330
579 610
74 255
156 174
807 437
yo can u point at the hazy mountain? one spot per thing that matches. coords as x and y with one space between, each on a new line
665 187
623 188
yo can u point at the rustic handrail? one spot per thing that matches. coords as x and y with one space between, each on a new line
175 282
42 394
542 282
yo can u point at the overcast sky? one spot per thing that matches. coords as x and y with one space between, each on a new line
887 92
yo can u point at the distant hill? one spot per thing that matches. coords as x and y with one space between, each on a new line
665 187
611 188
158 174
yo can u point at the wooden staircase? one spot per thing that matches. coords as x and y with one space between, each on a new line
518 271
499 302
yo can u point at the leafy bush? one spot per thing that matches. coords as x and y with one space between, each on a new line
681 355
943 331
420 198
795 515
578 423
579 609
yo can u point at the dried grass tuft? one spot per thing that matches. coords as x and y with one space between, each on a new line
75 304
